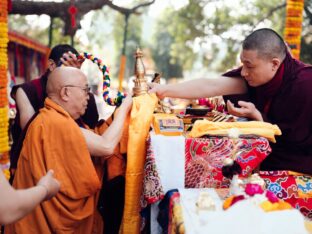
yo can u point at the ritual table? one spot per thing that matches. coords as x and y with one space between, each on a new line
180 214
179 162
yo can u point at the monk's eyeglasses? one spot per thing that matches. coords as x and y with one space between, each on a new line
86 89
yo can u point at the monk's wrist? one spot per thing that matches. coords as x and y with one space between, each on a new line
45 189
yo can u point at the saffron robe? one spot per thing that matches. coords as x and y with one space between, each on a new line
287 102
35 91
55 141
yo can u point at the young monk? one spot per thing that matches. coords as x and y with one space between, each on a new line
276 88
54 140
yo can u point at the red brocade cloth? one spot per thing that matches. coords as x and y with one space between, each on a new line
203 163
294 188
205 156
152 188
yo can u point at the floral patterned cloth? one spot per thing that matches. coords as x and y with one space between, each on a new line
295 188
152 188
205 156
204 160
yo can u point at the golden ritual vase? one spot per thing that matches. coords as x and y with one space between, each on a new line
140 83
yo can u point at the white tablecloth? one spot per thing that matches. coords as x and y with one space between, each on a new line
242 218
170 160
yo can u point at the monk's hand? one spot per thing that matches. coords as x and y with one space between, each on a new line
246 109
71 60
157 88
127 103
50 184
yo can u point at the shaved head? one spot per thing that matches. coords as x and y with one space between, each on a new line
267 43
68 87
63 76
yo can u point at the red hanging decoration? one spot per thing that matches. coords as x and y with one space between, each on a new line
72 10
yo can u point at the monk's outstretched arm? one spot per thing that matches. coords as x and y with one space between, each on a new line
14 204
105 144
25 108
200 88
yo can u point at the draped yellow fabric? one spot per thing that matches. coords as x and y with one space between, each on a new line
140 121
205 127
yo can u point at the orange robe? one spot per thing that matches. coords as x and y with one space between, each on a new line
54 141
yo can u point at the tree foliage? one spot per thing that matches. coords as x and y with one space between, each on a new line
174 36
134 34
306 40
61 10
107 24
214 30
26 27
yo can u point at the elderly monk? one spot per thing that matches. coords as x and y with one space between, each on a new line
276 88
55 141
30 96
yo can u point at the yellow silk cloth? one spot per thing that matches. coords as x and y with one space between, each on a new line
140 122
205 127
161 117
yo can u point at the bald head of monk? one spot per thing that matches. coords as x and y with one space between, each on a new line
263 53
68 87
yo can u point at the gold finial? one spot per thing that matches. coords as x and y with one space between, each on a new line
140 83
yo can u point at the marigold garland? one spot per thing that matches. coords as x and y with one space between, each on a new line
106 80
4 119
293 26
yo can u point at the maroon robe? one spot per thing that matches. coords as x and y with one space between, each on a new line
286 102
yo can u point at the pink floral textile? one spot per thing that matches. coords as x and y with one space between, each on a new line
205 156
203 163
152 188
294 188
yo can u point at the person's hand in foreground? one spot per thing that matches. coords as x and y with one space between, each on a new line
51 185
15 204
158 89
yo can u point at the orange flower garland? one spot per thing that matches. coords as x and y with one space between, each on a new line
293 25
4 119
